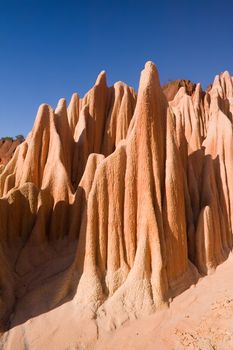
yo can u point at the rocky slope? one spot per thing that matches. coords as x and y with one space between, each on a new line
118 202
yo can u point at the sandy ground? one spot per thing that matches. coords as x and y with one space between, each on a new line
200 318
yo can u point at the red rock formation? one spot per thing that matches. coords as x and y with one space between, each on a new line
120 201
7 149
172 87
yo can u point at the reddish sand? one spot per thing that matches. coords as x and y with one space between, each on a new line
201 318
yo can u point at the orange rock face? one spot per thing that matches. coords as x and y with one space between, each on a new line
118 201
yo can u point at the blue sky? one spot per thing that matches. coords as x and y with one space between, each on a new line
50 49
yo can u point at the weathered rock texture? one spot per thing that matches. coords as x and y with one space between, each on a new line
119 202
172 87
7 149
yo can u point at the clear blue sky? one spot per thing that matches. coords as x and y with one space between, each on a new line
50 49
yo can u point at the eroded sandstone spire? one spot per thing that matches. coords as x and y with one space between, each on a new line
120 201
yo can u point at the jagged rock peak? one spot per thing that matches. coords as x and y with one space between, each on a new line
101 79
